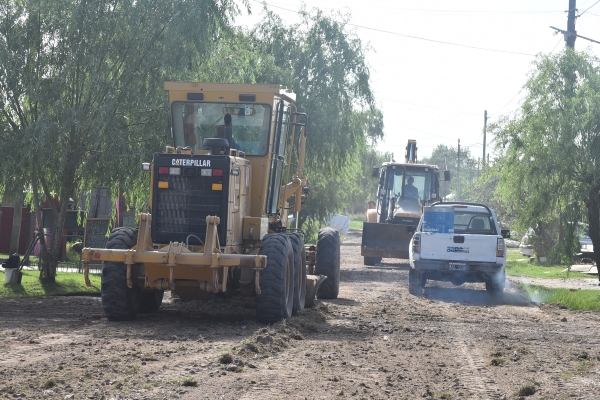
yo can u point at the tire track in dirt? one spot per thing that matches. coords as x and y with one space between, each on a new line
472 369
47 342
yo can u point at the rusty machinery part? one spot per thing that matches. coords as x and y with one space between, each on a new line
297 241
119 301
275 301
327 262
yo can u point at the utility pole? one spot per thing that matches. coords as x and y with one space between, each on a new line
485 118
571 33
458 173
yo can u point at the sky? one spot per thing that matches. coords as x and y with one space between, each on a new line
438 65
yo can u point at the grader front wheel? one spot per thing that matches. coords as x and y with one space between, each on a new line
120 302
276 298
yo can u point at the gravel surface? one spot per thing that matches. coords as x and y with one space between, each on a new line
374 342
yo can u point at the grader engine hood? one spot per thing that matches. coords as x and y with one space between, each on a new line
186 189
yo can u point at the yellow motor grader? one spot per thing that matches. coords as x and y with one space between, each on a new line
221 198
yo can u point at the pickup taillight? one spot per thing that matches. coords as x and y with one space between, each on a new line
417 243
500 248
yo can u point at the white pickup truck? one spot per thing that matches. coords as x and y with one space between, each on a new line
458 242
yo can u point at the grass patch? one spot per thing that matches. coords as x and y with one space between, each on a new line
581 368
588 300
496 362
518 265
48 383
67 283
189 382
527 390
356 221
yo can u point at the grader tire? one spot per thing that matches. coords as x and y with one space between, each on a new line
151 301
276 299
299 272
327 262
120 303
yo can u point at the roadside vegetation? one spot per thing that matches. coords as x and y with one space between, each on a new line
574 299
519 265
67 284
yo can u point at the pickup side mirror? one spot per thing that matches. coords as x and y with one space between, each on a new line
447 175
505 233
375 172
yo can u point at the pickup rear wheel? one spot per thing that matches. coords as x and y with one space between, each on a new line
327 262
415 282
495 284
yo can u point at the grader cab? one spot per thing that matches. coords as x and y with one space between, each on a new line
220 198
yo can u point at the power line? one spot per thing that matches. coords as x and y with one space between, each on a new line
588 8
424 106
412 36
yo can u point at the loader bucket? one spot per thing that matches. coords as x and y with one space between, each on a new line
386 240
312 285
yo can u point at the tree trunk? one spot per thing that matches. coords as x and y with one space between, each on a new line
593 210
16 225
52 255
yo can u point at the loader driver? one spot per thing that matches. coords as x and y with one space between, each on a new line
226 132
189 134
409 189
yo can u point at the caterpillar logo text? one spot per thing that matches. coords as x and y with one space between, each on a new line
190 163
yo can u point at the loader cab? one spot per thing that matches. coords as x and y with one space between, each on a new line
405 184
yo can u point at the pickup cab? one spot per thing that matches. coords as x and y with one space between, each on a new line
458 242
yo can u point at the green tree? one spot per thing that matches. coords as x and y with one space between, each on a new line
81 100
325 64
550 148
447 157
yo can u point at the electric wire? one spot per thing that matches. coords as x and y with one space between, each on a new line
588 8
414 37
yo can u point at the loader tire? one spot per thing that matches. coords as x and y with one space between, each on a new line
327 262
299 272
372 260
120 302
276 298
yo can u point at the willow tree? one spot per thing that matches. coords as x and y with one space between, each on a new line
550 148
81 99
325 63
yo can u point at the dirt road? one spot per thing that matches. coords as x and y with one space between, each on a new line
374 342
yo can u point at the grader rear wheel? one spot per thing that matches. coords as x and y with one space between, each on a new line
328 263
299 272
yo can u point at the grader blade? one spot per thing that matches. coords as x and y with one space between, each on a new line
312 285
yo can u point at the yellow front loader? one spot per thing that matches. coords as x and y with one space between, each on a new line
221 197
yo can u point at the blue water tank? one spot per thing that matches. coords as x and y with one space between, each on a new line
439 219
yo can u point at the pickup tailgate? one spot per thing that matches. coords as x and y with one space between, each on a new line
449 246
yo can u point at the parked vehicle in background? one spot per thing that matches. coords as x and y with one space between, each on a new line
458 242
525 246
